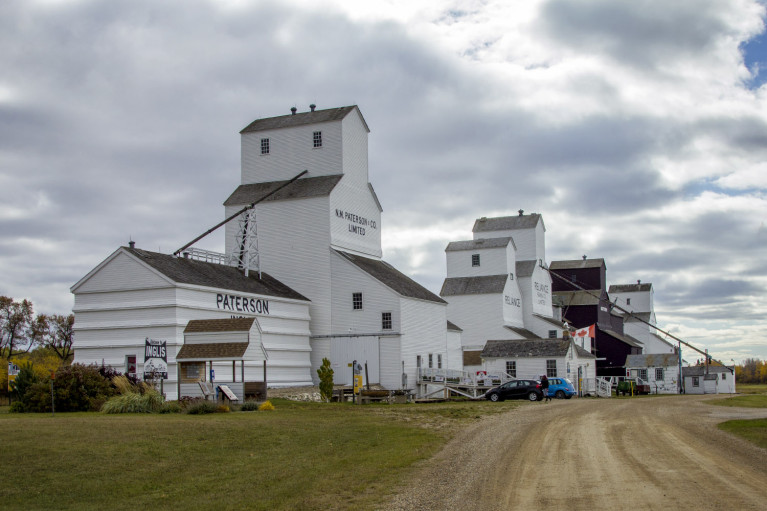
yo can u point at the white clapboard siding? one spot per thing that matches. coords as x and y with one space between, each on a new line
355 219
530 243
132 299
120 272
391 362
321 349
355 147
513 314
424 331
345 350
454 350
291 150
492 261
479 316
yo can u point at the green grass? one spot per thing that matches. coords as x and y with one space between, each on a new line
751 388
299 456
753 430
747 401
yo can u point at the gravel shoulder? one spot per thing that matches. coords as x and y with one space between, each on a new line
663 452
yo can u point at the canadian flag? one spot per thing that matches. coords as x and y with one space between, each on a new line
587 331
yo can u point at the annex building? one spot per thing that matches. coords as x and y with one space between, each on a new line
314 284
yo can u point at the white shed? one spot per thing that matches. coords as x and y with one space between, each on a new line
709 380
659 370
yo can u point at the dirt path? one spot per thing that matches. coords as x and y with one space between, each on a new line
654 453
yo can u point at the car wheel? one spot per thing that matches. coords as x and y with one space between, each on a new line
560 394
532 396
495 398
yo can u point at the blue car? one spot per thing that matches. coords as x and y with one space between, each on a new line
561 388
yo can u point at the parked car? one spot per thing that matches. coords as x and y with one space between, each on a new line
516 389
561 388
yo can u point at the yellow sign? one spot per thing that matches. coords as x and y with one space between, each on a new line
357 383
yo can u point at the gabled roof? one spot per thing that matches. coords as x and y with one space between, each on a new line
530 348
453 327
526 268
319 186
488 284
219 276
213 351
622 337
652 360
629 288
391 277
571 298
302 119
701 370
553 321
505 223
527 334
219 325
576 264
456 246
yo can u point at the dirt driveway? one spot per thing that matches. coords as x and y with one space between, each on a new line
592 454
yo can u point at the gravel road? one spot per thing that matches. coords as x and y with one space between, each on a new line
591 454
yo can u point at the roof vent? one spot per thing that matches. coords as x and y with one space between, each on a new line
483 219
521 211
312 107
584 257
639 282
132 244
293 110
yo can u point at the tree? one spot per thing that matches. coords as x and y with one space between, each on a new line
325 372
56 333
15 324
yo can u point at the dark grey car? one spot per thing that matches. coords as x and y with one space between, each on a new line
516 389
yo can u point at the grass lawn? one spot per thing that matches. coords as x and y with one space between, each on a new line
299 456
754 430
751 388
747 401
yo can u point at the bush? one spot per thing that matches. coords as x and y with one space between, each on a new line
23 382
134 402
171 407
266 406
325 373
201 407
79 388
249 406
17 407
222 409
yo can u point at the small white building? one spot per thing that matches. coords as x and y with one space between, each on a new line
709 380
659 370
531 358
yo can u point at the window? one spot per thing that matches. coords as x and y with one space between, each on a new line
475 259
551 368
431 360
439 360
418 361
317 137
643 374
130 364
357 301
658 373
628 301
511 368
573 277
696 381
386 320
552 334
264 146
724 376
511 276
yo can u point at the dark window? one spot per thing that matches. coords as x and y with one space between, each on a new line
418 361
643 374
695 381
317 137
130 364
724 376
572 278
264 146
431 360
357 301
511 276
552 334
439 361
551 368
628 301
475 259
386 320
658 373
511 368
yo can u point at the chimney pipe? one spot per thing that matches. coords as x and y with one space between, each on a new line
293 110
521 211
132 244
312 107
639 281
584 257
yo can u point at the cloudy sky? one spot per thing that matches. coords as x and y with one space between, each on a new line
637 128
